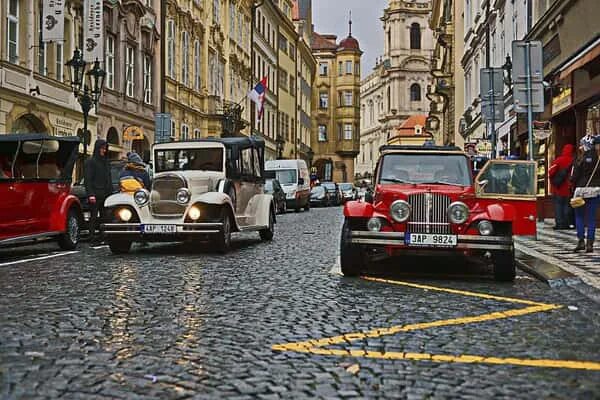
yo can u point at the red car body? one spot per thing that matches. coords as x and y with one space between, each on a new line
429 204
35 185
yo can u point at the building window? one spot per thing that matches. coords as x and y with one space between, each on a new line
283 80
357 69
185 58
171 48
173 129
283 43
185 132
196 133
148 80
197 59
348 67
216 12
415 36
415 92
322 133
59 62
346 98
323 100
348 131
110 62
340 68
13 31
130 71
323 69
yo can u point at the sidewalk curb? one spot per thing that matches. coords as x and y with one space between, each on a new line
548 272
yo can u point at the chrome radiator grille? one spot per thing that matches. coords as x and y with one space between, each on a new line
163 200
429 213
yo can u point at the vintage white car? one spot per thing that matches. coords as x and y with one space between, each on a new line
201 191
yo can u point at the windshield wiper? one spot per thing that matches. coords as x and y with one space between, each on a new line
442 183
396 180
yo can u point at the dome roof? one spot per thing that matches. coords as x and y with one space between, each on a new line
349 43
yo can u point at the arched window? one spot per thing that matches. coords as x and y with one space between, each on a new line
415 36
415 92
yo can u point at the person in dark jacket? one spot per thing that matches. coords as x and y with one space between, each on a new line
559 173
586 179
98 186
134 176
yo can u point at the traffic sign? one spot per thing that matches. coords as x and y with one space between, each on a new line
528 68
492 94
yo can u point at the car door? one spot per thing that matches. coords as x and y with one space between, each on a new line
14 220
510 187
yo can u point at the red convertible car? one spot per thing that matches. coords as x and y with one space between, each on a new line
426 202
35 185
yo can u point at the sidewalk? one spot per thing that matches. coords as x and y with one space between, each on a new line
556 247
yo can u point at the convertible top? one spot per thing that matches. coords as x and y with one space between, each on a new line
241 142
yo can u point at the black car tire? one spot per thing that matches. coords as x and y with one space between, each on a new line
352 257
70 239
504 266
267 234
223 239
119 246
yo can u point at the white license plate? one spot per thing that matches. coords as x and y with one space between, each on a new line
159 228
431 239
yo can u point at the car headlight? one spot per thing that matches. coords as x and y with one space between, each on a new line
485 228
124 214
458 212
183 196
400 211
374 224
194 213
141 197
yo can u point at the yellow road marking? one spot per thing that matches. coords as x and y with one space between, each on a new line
316 346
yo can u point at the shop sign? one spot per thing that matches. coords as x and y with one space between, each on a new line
133 133
484 146
562 101
542 134
63 126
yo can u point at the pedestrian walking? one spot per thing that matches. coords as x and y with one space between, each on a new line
134 175
98 186
586 178
559 173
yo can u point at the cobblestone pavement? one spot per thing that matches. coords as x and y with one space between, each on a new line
271 320
557 247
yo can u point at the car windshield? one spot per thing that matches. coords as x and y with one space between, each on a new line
286 176
444 169
329 186
318 190
203 159
345 186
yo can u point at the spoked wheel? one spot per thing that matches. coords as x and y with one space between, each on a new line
223 240
267 234
352 256
504 266
70 239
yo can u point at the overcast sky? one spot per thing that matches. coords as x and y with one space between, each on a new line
331 16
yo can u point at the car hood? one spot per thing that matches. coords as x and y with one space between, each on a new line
404 190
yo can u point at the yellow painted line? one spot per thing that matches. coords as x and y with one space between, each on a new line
317 346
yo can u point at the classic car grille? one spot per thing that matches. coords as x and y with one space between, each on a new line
163 201
429 213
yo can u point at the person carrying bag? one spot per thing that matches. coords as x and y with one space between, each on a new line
586 179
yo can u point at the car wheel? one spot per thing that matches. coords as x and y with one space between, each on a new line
352 257
504 266
267 234
223 241
119 246
70 239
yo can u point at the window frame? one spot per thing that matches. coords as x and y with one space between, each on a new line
12 19
59 58
129 71
185 58
348 129
147 79
109 62
322 133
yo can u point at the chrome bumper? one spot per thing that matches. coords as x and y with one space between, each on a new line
464 242
182 230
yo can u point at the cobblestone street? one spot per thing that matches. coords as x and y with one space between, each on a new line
276 320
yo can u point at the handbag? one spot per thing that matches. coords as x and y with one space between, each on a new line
579 201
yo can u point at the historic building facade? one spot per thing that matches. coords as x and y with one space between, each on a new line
397 87
336 93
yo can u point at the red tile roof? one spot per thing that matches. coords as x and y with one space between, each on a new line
407 128
323 42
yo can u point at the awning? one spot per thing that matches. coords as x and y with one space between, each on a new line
587 55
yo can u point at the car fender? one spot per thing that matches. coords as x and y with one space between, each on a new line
219 199
260 205
58 221
120 199
358 209
497 212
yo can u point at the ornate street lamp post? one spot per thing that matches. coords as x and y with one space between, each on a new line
86 91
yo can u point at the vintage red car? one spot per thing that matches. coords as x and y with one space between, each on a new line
35 190
426 202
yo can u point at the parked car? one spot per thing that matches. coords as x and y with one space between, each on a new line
35 183
273 187
201 191
78 190
295 181
319 196
335 194
348 191
428 204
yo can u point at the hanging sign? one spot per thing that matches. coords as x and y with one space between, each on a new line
133 133
93 35
53 21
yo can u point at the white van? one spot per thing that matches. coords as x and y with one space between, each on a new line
294 179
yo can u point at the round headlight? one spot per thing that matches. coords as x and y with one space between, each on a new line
485 228
400 210
183 196
194 213
374 224
124 214
458 213
141 197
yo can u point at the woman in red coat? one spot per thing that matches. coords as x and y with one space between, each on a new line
559 173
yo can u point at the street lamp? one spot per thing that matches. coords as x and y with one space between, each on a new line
87 93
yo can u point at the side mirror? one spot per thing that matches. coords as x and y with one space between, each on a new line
300 181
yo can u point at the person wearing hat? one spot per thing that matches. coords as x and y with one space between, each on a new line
586 179
134 175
